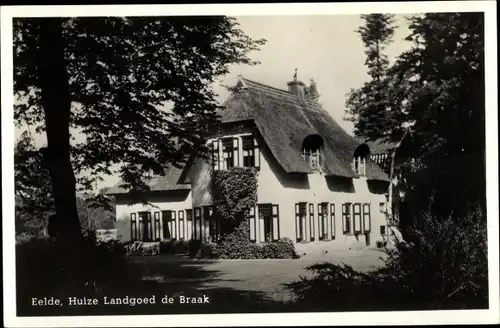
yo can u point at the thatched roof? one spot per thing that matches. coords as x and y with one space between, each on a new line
170 181
284 122
381 146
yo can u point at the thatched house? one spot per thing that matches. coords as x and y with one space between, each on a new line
316 184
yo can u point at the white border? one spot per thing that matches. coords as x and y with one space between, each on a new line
300 319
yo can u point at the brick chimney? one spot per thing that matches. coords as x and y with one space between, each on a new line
298 89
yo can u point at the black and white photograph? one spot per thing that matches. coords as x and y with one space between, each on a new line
263 164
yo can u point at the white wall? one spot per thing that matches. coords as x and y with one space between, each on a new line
160 201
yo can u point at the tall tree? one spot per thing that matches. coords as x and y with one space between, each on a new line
368 105
109 79
435 93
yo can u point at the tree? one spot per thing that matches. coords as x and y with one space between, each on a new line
369 105
435 93
34 201
312 90
137 88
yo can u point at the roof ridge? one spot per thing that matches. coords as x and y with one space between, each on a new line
277 89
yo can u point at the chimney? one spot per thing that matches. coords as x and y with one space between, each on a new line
298 89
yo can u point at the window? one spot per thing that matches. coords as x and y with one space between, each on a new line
382 207
300 221
383 230
133 226
157 230
269 220
332 219
311 222
197 223
189 223
211 224
356 213
311 147
323 221
366 218
248 151
181 224
346 219
359 165
227 153
313 158
145 232
215 155
252 224
169 226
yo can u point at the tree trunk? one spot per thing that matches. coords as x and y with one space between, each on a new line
56 102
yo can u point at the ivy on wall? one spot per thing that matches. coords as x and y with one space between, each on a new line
234 191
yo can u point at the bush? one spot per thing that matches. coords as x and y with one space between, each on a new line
450 255
174 247
237 245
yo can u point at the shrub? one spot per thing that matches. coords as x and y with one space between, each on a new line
237 245
234 191
194 247
448 254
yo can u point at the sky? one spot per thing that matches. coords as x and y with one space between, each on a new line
325 48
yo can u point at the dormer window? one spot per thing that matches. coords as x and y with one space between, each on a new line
311 151
359 160
359 165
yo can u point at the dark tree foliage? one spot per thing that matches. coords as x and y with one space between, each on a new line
435 95
137 88
33 190
368 105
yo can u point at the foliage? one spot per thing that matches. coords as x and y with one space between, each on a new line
174 247
34 201
368 104
42 259
137 88
237 245
434 95
312 90
234 191
450 257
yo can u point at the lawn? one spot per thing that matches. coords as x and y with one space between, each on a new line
233 286
261 277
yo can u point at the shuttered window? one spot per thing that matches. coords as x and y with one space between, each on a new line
311 222
227 153
197 223
212 224
182 227
269 219
215 155
252 223
157 229
323 226
332 220
300 221
356 211
366 218
346 219
168 221
248 151
189 223
133 226
145 226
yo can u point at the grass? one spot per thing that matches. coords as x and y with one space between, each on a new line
233 286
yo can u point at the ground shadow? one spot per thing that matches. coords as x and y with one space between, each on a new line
162 277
